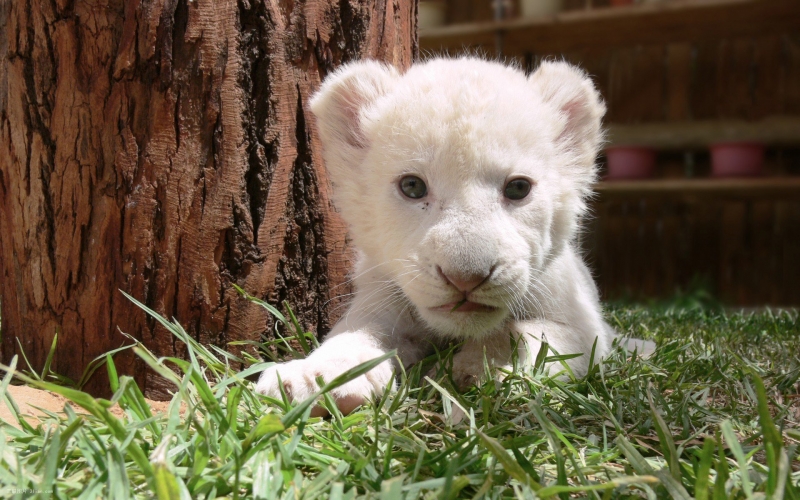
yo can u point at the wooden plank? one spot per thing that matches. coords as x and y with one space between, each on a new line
772 188
791 262
791 77
621 79
628 247
595 243
703 99
787 249
459 12
772 131
636 85
671 245
647 23
702 254
767 75
576 4
734 68
617 258
679 81
765 270
731 261
651 263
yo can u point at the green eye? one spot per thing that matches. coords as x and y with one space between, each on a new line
413 187
517 189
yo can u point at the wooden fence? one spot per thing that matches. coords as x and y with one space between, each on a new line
742 237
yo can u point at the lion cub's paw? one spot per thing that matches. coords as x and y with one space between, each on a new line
466 371
299 379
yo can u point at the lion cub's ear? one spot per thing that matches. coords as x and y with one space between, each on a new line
342 105
573 94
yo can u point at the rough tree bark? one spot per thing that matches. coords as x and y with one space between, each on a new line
164 148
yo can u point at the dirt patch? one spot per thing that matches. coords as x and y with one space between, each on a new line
32 401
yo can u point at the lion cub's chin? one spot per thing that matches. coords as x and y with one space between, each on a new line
464 320
464 306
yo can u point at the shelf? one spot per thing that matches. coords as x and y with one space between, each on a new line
649 23
772 131
770 187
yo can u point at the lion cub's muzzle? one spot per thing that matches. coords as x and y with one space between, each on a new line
465 283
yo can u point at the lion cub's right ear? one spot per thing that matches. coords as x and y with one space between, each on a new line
342 107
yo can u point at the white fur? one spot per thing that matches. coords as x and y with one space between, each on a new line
466 127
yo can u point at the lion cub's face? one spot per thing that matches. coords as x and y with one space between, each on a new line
462 178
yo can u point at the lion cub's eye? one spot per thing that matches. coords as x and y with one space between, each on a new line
413 187
517 189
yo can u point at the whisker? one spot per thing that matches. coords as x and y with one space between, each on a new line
362 273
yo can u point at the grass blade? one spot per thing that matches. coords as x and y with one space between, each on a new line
667 443
509 464
736 448
704 470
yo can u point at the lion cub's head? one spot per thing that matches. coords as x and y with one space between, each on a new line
462 177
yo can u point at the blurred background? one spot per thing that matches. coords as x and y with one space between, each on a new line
700 190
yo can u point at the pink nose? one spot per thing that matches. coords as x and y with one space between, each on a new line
464 282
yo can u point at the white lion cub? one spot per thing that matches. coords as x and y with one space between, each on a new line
463 182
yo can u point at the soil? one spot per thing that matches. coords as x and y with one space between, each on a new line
30 401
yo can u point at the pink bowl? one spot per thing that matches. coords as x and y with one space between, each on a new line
630 162
737 159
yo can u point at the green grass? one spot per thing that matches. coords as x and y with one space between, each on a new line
713 414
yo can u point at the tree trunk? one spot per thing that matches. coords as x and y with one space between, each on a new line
164 148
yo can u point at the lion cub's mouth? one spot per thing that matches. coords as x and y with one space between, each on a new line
464 307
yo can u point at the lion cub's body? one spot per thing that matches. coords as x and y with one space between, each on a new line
468 259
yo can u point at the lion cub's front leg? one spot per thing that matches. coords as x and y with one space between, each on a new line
335 356
528 336
468 362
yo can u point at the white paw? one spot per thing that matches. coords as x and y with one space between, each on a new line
645 348
299 379
467 370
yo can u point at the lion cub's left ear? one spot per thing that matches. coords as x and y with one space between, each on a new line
342 107
574 95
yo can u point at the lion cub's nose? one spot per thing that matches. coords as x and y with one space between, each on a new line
465 282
